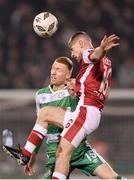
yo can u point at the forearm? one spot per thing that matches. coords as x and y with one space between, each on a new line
98 53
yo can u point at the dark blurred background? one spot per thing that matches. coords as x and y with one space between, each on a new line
25 61
25 58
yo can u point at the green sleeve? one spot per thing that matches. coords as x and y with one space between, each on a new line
74 102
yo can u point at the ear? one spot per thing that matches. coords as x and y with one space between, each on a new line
81 43
68 76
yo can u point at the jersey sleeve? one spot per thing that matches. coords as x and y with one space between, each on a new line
37 103
86 56
73 103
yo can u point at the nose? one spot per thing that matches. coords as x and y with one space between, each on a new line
72 54
53 72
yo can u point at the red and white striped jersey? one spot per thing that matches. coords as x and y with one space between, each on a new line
93 80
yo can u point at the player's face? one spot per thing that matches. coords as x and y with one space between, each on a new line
76 51
59 74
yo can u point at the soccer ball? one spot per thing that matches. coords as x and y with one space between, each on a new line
45 24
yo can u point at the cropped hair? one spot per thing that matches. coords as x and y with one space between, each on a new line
78 35
65 60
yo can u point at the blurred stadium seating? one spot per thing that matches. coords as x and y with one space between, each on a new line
23 55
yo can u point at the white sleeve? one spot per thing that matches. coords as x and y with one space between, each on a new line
86 55
37 103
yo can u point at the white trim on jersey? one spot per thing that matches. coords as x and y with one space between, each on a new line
51 97
53 92
82 86
85 56
37 104
57 95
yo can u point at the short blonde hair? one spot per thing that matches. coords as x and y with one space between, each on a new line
65 60
78 35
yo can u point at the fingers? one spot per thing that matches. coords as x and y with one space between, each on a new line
111 46
110 41
104 38
113 38
28 170
116 44
113 41
71 84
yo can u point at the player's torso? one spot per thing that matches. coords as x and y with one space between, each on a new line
93 82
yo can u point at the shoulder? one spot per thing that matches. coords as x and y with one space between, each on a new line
86 55
43 90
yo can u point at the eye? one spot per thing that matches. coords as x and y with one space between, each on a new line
70 49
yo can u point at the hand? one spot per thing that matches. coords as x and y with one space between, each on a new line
71 87
29 168
29 171
109 42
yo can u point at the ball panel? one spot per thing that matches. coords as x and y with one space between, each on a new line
45 24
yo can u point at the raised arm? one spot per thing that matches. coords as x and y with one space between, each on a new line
106 44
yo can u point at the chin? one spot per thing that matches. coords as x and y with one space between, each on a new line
52 82
78 60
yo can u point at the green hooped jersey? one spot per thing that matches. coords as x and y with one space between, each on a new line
61 98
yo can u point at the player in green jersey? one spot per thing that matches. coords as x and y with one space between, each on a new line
56 94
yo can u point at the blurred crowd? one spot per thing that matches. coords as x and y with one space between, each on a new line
25 58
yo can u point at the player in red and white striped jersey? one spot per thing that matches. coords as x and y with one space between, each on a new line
92 85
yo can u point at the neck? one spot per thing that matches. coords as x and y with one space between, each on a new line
56 88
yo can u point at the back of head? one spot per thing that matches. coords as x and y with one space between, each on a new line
78 35
66 61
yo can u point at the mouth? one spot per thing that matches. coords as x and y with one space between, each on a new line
53 78
75 57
